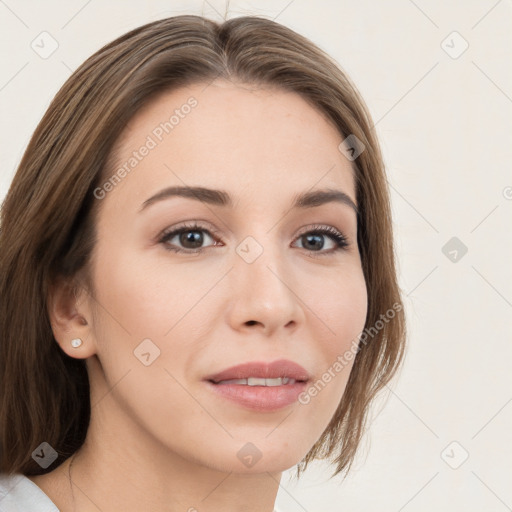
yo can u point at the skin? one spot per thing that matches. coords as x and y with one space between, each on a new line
158 438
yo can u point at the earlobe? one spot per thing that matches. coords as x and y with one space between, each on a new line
70 318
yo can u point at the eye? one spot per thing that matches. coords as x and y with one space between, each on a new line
313 240
188 238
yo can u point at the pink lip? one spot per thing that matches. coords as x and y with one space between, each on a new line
280 368
261 398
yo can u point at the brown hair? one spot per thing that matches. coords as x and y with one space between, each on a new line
47 228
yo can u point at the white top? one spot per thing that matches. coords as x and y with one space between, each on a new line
19 494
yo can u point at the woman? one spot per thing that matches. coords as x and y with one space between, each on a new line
197 275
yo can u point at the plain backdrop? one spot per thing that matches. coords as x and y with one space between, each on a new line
437 78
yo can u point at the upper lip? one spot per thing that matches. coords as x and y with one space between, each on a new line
263 370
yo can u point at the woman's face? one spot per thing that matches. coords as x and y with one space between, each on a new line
251 278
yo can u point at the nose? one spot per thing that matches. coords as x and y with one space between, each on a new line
265 295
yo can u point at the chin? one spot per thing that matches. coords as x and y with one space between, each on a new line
253 457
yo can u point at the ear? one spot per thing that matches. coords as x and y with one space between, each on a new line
71 318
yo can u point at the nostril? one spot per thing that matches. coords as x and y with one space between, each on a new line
251 322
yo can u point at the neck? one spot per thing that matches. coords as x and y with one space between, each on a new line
116 478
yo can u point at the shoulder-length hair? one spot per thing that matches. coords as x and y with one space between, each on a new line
47 223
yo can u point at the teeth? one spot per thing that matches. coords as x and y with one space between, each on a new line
256 381
253 381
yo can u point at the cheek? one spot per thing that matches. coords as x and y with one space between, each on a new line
145 298
148 296
343 307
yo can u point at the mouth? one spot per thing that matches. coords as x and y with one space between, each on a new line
256 373
260 386
256 381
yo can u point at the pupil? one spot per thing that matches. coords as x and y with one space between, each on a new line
193 237
315 241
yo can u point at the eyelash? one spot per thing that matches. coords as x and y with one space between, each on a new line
336 236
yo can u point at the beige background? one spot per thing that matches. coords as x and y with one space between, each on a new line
444 119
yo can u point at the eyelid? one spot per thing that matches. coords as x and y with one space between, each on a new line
190 225
320 227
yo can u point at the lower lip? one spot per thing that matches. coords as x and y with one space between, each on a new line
259 398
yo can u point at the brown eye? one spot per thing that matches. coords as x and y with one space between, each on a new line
191 239
314 240
186 239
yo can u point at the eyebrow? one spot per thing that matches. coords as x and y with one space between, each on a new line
222 198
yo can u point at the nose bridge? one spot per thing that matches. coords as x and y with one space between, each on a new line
260 258
264 283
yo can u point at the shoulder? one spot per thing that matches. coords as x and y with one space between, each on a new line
19 494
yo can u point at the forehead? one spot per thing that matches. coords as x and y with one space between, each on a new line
238 137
